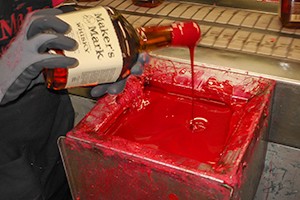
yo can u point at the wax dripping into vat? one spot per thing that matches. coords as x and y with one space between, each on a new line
160 119
169 121
197 124
169 117
190 41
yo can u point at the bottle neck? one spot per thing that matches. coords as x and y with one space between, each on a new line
154 37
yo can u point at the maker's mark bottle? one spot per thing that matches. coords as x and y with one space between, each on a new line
109 46
289 12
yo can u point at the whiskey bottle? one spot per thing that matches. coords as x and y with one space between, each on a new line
147 3
108 46
289 12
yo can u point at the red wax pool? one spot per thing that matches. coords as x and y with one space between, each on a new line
163 122
160 139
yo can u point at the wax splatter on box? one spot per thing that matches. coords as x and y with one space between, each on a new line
139 144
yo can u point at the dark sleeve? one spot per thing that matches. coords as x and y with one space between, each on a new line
17 176
30 163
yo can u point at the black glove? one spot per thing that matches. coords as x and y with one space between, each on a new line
21 64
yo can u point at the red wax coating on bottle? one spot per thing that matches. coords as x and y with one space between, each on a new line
56 2
185 34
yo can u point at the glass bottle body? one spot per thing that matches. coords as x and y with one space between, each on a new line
289 12
130 43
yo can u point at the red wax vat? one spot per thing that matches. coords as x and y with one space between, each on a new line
140 144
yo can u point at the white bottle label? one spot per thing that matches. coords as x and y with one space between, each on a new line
295 11
99 53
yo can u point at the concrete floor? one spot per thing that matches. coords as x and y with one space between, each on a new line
281 176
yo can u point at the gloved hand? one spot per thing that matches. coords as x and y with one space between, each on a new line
117 87
21 64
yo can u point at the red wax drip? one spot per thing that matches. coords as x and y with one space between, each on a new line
188 34
192 122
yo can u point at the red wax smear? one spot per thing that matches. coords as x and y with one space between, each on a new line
162 122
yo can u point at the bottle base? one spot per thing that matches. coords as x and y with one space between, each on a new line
56 79
147 3
286 21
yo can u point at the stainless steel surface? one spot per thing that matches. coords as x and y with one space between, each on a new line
81 106
249 4
279 70
285 126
